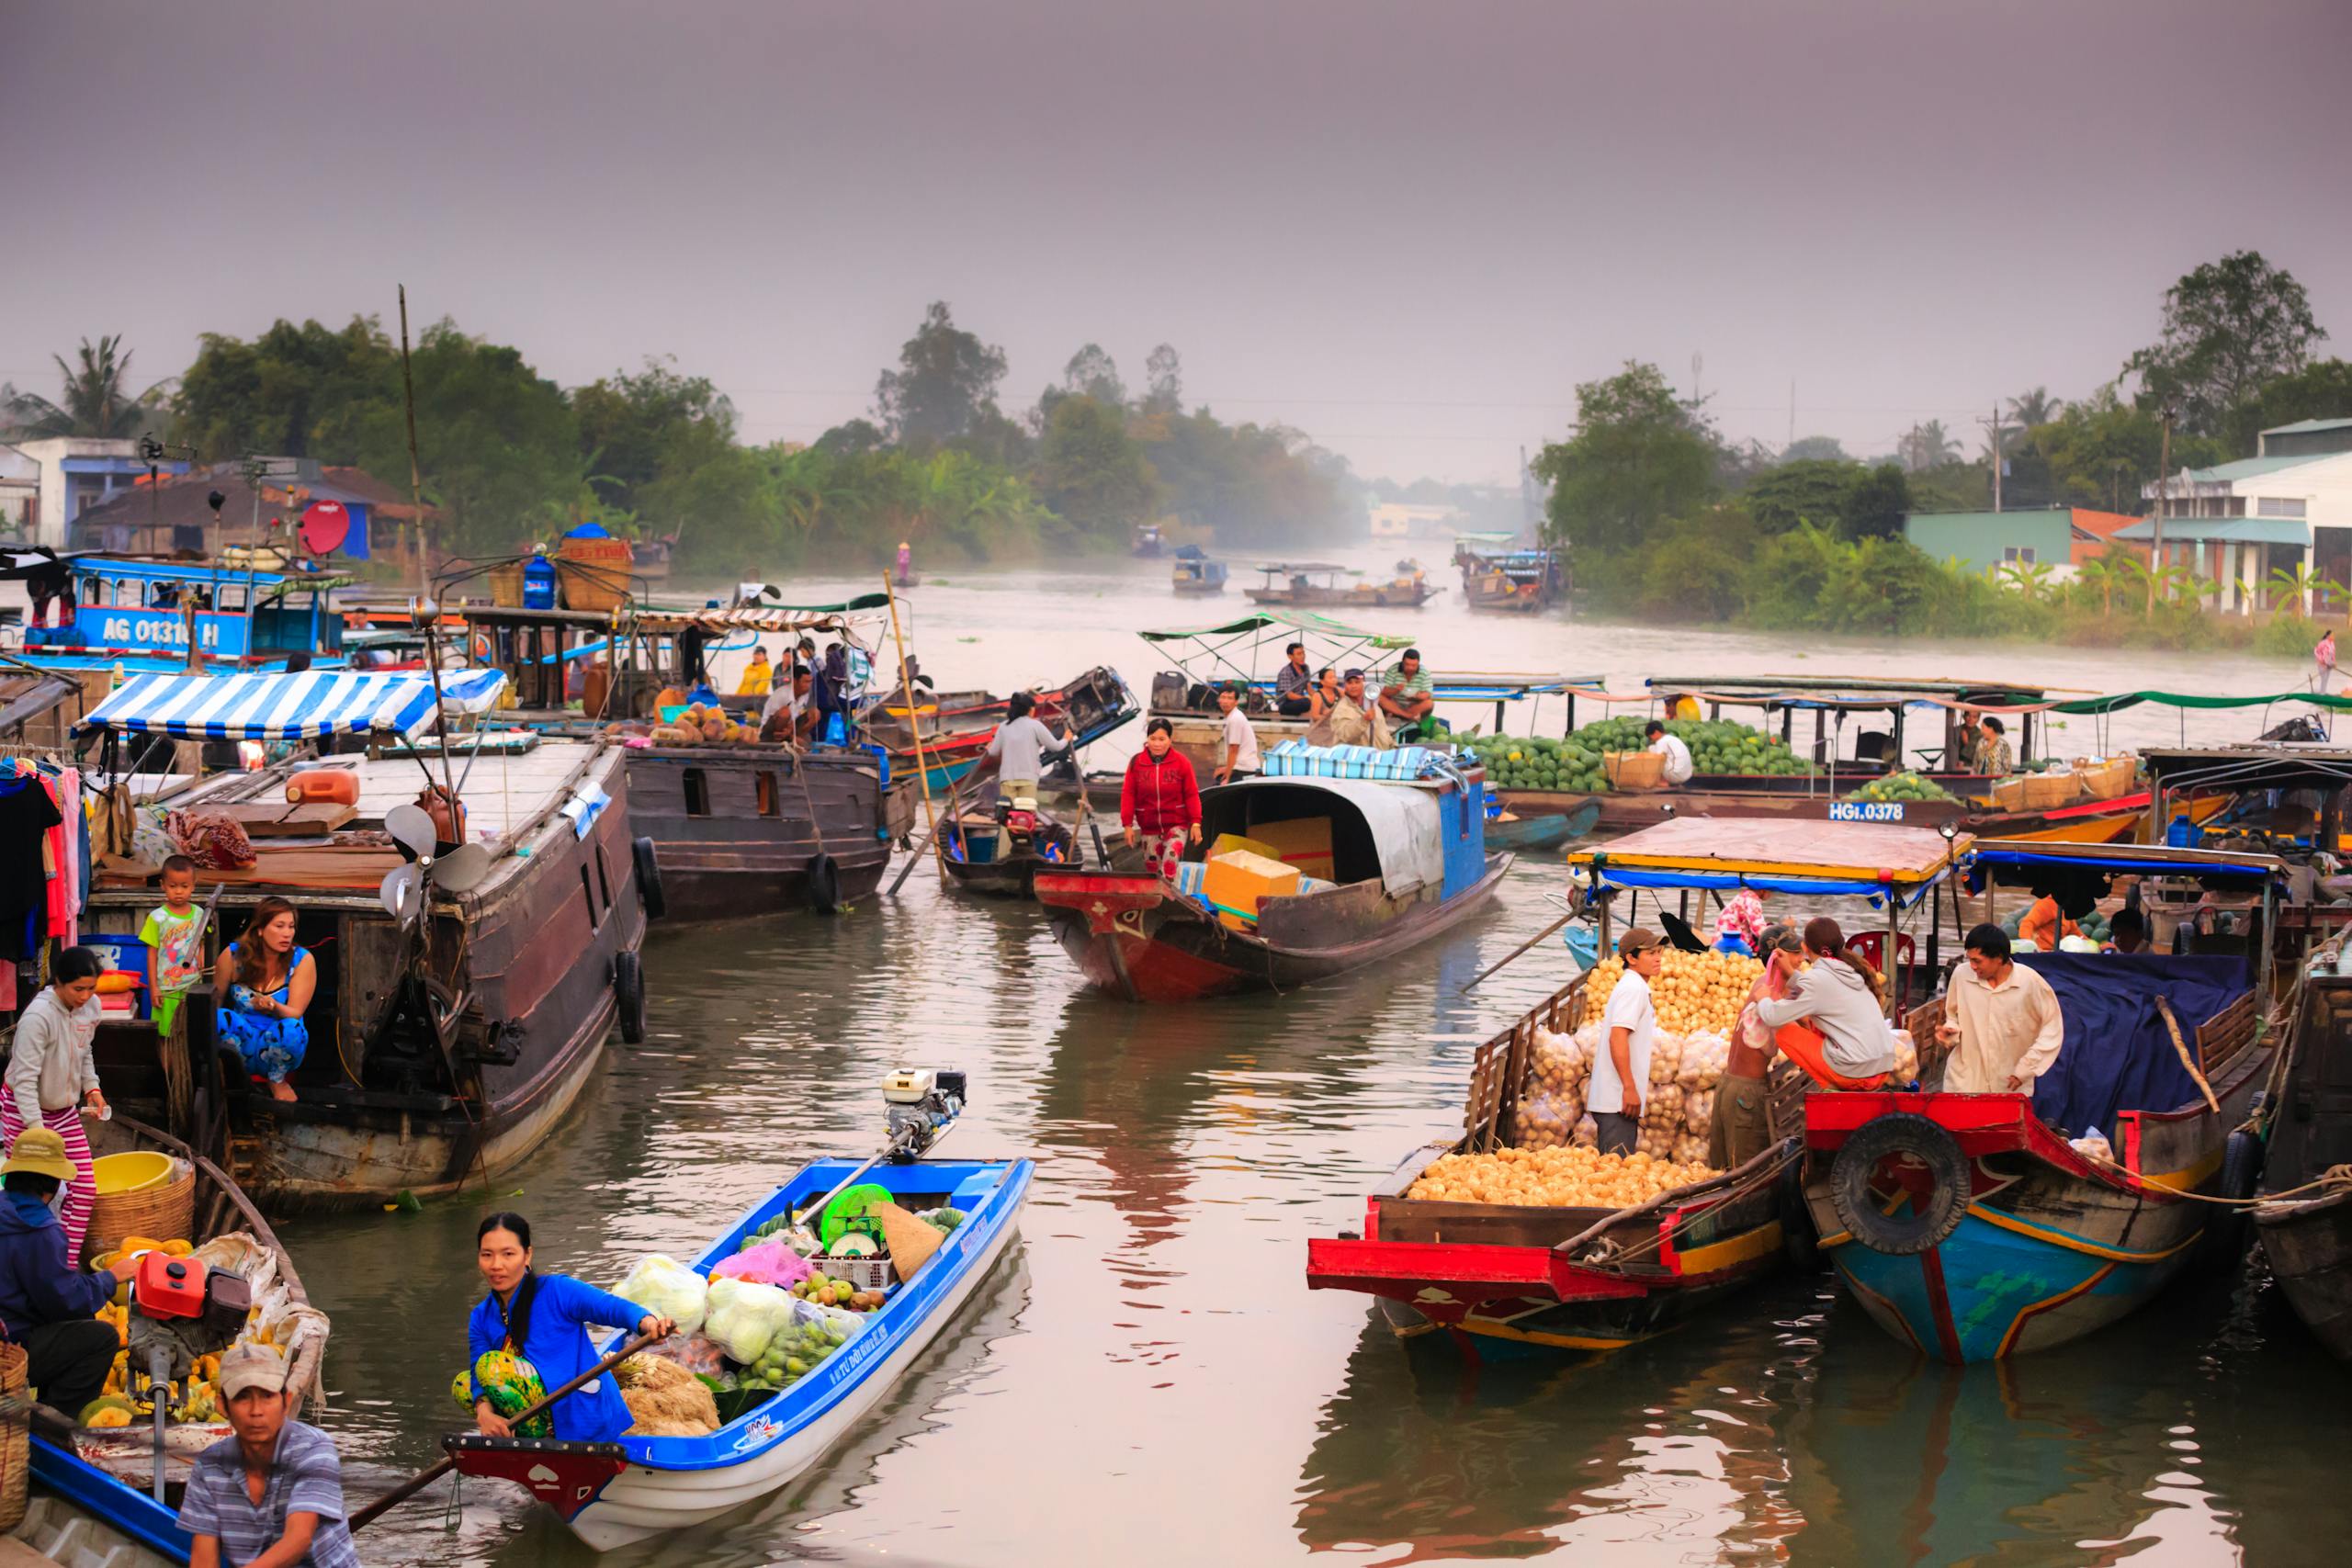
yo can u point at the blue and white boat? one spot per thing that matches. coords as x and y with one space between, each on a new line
615 1494
137 614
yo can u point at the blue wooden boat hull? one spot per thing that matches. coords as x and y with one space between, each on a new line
613 1495
134 1516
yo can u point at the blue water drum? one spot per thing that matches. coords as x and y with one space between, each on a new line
538 584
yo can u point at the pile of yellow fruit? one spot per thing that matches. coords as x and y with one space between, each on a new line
1554 1177
1691 991
128 1395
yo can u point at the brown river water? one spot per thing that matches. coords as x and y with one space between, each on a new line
1147 1380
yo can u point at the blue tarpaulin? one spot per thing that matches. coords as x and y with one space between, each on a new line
1766 882
2118 1054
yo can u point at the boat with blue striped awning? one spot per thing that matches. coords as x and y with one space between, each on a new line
312 704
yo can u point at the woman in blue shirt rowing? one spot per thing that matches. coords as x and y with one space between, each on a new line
532 1330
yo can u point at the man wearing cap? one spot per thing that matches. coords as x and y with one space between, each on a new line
1621 1072
1356 719
271 1496
1407 697
1237 740
45 1305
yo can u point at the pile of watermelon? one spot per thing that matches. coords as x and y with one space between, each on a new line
1906 785
1532 763
1717 745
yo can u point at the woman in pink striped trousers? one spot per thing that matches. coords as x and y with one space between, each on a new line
53 1077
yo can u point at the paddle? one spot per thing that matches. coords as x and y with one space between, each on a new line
425 1478
1575 907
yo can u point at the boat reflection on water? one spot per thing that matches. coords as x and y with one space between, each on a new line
1791 1431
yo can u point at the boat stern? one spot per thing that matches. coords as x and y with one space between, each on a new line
1113 926
568 1477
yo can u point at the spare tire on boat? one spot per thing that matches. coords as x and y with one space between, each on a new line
648 878
1922 1225
628 996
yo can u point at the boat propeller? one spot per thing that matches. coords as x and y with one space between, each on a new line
403 888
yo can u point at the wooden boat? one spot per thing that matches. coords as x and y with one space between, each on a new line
1195 573
957 726
1970 1225
443 1051
1520 834
91 1499
1001 860
1314 585
1513 582
1499 1281
615 1494
2307 1239
1147 540
1408 862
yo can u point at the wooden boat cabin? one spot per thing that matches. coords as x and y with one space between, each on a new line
1195 573
1382 851
1973 1226
459 1006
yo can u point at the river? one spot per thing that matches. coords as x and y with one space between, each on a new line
1147 1380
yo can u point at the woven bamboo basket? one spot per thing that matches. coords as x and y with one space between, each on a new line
2105 781
2047 791
16 1440
1633 770
506 586
592 574
161 1213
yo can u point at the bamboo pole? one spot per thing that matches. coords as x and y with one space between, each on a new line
914 724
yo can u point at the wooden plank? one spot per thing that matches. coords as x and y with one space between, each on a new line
311 819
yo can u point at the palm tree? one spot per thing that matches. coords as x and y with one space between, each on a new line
2299 581
94 403
1928 445
2102 572
2174 581
2029 577
2036 407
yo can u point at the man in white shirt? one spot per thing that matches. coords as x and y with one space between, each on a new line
2001 1020
1237 740
1620 1071
1670 746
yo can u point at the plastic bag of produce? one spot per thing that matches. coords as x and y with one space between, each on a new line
1907 1056
808 1334
697 1353
1547 1121
745 1318
666 1288
770 1263
1588 1134
1699 1111
1666 1057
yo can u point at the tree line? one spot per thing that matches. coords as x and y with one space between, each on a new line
1665 517
509 456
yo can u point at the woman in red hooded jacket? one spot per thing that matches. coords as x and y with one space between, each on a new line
1161 799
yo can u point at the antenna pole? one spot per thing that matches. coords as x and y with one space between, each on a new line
416 483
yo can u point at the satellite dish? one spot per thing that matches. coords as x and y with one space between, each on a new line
412 829
462 868
325 525
403 891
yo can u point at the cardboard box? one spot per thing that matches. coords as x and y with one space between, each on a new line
1235 882
1304 842
1227 843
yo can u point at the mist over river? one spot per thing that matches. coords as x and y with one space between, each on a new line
1147 1380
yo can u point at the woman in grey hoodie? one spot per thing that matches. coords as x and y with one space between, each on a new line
1838 997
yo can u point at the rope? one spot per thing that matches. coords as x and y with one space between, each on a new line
2335 1177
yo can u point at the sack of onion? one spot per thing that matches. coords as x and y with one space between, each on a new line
1555 1177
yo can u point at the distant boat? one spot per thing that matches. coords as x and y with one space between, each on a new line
1520 581
1315 585
1196 574
1147 539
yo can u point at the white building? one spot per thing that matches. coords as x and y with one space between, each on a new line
1405 520
20 491
2237 523
79 471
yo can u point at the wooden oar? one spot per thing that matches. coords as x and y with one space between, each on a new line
1524 946
425 1478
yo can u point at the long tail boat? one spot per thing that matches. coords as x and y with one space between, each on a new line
1974 1226
1406 856
454 1022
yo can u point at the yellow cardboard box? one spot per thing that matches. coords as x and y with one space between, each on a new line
1304 842
1234 882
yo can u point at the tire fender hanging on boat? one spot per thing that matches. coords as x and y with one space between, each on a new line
2227 1231
648 878
628 994
824 883
1921 1224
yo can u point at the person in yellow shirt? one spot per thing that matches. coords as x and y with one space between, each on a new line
759 676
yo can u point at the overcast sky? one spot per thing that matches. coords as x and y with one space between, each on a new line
1408 230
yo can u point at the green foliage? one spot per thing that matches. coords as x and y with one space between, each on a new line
2230 327
946 378
1090 471
1848 497
643 430
2322 390
302 391
1814 448
2101 452
1251 484
1639 456
1697 573
1927 446
2288 637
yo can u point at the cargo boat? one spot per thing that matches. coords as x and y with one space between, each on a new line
1395 860
1315 585
443 1048
1977 1226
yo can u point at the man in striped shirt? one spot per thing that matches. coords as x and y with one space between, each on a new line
270 1496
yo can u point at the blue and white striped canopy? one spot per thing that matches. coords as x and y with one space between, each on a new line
289 708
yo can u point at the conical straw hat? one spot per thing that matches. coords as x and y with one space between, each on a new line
911 1241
